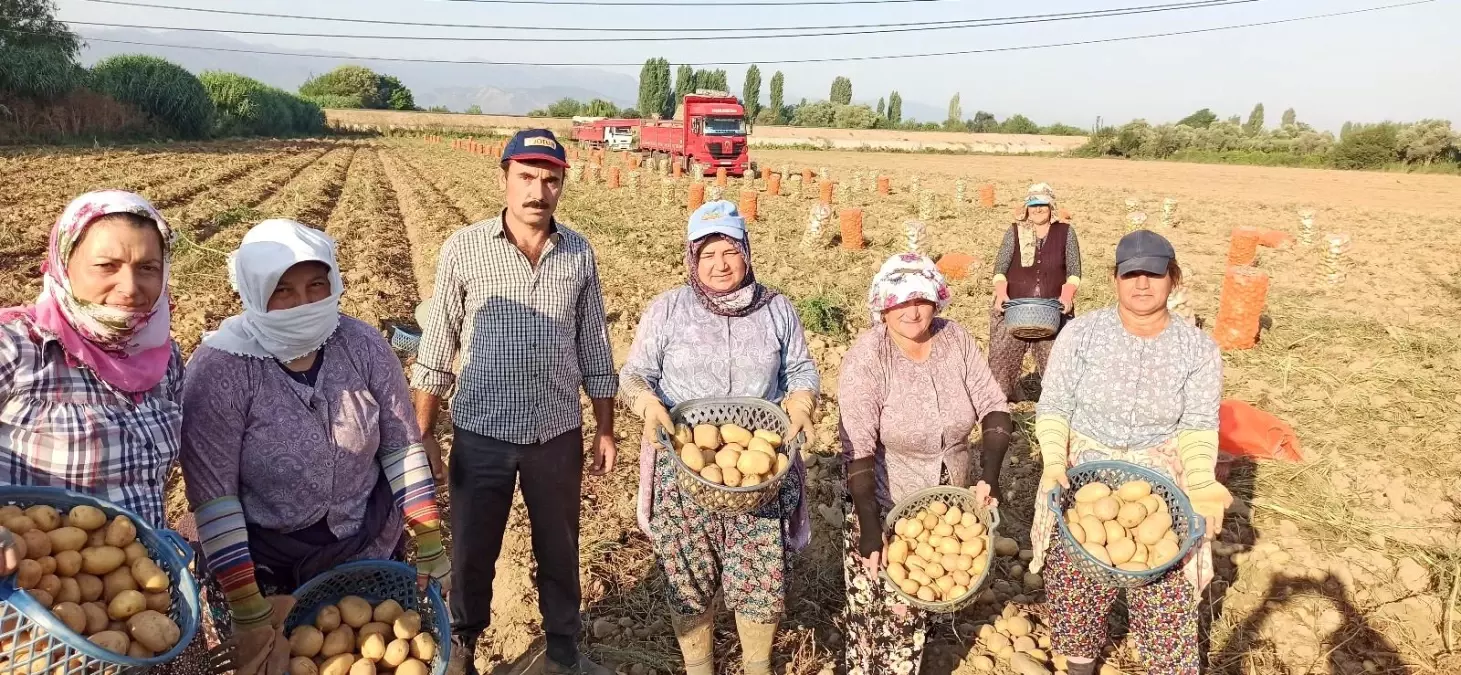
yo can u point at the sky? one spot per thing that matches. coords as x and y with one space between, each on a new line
1398 64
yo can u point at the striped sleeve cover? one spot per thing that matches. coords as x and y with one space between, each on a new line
225 541
409 472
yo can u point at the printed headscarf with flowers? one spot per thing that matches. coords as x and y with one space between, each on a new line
1028 240
905 277
129 350
750 296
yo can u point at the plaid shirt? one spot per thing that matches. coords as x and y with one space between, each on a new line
528 338
61 426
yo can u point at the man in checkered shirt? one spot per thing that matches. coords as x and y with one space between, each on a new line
518 304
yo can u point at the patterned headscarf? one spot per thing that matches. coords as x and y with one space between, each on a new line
904 277
1037 192
742 301
129 350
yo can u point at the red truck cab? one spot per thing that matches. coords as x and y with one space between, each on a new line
709 129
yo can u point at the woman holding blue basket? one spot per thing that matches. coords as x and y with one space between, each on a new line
722 334
1131 384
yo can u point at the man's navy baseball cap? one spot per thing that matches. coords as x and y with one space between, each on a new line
535 145
1144 251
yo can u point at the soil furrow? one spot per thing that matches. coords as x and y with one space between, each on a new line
375 254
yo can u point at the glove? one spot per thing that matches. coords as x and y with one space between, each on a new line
798 406
1197 451
1053 433
1067 298
264 648
648 407
432 562
1211 502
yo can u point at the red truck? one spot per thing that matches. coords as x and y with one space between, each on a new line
601 132
709 128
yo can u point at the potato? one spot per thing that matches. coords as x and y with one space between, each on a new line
69 591
758 463
137 651
1151 530
338 641
126 605
373 647
943 529
1131 515
48 564
10 511
96 538
411 667
68 563
111 641
306 641
900 528
1132 491
148 575
963 563
1154 504
119 580
1094 530
934 570
944 584
338 664
927 594
961 577
958 591
423 647
1090 492
707 436
898 550
121 532
46 518
692 457
1114 532
41 597
28 574
712 473
760 445
707 457
328 618
158 602
87 518
363 666
1132 567
1006 547
135 551
915 528
925 551
1077 532
37 544
897 572
782 463
355 611
1098 552
1106 508
372 628
732 476
930 521
769 436
66 539
102 560
301 665
1084 509
732 433
973 549
396 653
96 617
20 524
119 626
1121 550
407 625
51 584
1162 553
949 562
908 586
683 435
752 479
72 615
154 631
727 458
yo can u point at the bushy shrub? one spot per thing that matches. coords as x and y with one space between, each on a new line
1369 147
43 73
335 101
248 107
164 90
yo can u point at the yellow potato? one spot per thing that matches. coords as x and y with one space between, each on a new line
154 630
1114 532
1132 566
1084 509
908 586
732 476
954 516
158 602
958 591
727 458
46 518
769 436
396 653
119 580
927 594
327 619
306 641
683 435
1131 514
68 563
51 584
423 648
121 532
934 570
19 525
10 511
1141 553
112 641
102 560
762 446
372 628
41 597
96 617
707 436
338 641
914 562
354 611
96 538
900 528
920 576
72 615
915 528
1077 532
1151 530
28 574
1121 550
301 665
66 539
897 572
1072 516
943 529
1163 553
37 545
411 667
373 647
48 564
950 545
1095 531
1098 552
69 591
1106 508
1135 490
126 605
713 474
961 577
930 521
963 563
925 551
407 625
731 433
973 549
387 611
752 479
782 464
1154 504
758 463
1090 492
149 576
91 587
944 584
338 664
692 457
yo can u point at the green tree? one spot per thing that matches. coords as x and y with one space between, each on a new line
1426 141
1345 130
684 84
1255 121
1059 129
841 91
895 107
983 123
654 85
1289 118
1367 146
1019 124
474 109
37 52
563 107
354 81
956 114
600 108
882 106
778 97
751 93
1201 119
164 90
395 95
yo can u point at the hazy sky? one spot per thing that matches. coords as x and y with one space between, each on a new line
1398 64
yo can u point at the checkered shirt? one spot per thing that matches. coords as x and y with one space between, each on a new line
62 426
527 339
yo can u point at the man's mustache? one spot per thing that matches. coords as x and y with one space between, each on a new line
535 204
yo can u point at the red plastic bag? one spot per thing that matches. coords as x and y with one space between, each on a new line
1245 431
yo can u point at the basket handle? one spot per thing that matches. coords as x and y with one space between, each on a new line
994 519
180 545
1196 529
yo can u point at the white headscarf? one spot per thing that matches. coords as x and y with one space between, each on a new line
904 277
268 250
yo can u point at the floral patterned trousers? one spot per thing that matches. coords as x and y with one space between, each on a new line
881 640
1007 355
745 556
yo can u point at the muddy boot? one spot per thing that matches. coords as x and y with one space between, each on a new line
697 645
756 639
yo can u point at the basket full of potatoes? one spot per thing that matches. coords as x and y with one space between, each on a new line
940 546
1124 525
729 453
365 617
96 589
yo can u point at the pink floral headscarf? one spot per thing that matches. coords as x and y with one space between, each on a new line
129 350
904 277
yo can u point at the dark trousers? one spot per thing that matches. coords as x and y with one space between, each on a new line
482 474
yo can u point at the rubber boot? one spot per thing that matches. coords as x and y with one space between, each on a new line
756 639
697 644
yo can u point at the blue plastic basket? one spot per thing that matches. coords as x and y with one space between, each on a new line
404 341
1185 522
54 648
377 581
1032 318
968 503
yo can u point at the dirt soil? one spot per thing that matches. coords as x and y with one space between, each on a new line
1344 564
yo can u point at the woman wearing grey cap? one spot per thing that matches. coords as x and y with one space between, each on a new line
1130 383
720 334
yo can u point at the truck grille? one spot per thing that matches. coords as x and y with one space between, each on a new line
718 150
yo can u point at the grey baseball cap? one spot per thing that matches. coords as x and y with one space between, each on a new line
1143 251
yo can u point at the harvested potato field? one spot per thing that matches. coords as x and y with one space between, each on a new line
1345 563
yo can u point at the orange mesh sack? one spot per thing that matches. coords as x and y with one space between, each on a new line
986 195
956 266
1275 239
696 198
807 176
613 177
1245 431
721 178
748 205
826 188
885 185
1243 249
1245 291
851 222
773 184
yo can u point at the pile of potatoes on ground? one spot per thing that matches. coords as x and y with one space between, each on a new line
95 577
939 553
1129 529
353 638
730 455
1022 642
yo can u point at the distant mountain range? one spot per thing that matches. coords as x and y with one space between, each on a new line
508 90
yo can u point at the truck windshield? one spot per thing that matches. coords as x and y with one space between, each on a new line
724 126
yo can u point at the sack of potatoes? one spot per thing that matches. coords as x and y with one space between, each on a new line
352 637
731 455
1128 528
938 554
93 575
